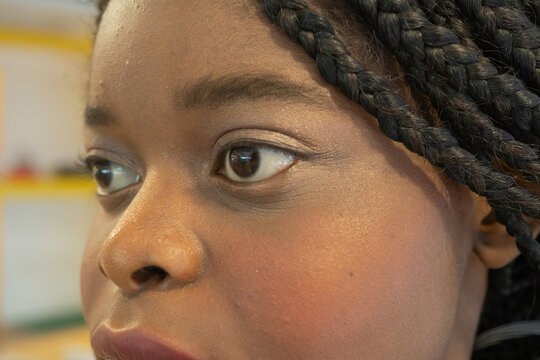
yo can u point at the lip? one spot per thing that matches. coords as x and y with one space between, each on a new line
132 344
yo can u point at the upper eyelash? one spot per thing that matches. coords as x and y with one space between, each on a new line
223 151
249 142
82 164
92 159
86 163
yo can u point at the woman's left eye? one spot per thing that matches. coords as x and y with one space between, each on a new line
251 163
111 177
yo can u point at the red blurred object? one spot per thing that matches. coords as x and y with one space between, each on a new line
22 171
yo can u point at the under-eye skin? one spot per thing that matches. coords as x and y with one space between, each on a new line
111 177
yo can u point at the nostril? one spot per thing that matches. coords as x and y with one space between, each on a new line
148 274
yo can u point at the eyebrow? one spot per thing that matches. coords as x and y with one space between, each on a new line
96 117
213 92
209 92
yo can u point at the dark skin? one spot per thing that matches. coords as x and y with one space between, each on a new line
342 244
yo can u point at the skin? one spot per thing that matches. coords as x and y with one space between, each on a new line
359 250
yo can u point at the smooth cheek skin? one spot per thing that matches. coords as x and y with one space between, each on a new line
347 280
345 289
358 255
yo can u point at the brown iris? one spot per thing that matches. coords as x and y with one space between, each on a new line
102 173
244 160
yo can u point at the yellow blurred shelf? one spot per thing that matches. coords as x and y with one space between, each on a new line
47 187
48 40
57 345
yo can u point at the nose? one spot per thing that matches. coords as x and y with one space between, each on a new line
145 252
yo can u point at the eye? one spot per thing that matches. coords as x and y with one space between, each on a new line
110 176
251 163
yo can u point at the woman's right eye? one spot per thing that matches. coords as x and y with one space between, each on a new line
110 176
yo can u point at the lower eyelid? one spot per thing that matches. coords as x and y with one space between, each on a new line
126 188
119 200
268 184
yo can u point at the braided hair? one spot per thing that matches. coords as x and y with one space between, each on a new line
477 62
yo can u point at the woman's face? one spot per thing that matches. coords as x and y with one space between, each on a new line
248 209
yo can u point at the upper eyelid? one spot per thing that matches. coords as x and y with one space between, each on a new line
99 153
259 143
90 160
288 143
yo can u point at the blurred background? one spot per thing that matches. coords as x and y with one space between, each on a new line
46 204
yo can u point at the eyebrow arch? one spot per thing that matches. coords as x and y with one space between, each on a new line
213 92
96 117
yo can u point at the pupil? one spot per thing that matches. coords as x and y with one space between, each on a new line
244 160
103 174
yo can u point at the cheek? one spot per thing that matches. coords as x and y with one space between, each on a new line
327 279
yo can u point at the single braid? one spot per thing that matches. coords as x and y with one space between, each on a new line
424 49
447 13
400 124
505 28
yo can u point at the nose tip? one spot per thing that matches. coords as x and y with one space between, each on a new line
136 275
163 263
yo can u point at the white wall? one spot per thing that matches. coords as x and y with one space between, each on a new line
44 93
44 88
43 244
75 17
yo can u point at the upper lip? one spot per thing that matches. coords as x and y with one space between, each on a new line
132 344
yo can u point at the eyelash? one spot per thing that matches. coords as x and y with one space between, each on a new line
82 165
252 143
109 172
86 164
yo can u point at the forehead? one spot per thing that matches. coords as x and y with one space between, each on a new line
152 47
